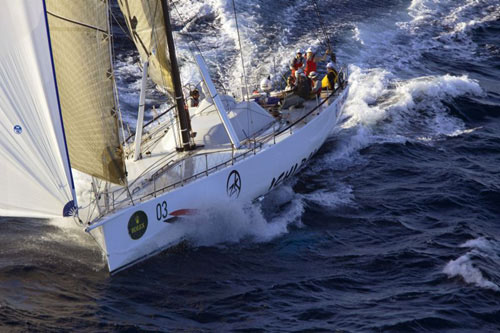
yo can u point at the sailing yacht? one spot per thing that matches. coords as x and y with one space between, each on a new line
60 116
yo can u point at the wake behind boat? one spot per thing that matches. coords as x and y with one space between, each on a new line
219 149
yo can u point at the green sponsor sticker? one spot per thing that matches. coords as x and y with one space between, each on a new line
137 225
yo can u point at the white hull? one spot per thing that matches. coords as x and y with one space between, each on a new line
258 174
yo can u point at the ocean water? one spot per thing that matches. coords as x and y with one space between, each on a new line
394 226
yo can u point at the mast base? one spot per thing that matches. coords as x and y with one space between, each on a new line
186 148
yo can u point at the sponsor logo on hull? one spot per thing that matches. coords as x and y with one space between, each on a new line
233 185
137 225
288 173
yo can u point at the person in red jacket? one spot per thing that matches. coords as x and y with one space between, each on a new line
297 62
312 61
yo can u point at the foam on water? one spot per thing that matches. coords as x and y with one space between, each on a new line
443 29
465 266
234 222
342 196
69 232
219 41
456 16
389 97
394 108
447 26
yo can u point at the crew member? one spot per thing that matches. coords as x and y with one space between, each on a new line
312 61
297 62
315 85
303 84
290 83
194 98
330 78
300 89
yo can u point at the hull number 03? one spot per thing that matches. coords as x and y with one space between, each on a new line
161 211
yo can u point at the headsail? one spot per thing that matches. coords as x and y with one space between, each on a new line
35 177
146 24
80 38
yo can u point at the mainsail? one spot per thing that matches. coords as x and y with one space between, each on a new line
81 40
146 24
35 176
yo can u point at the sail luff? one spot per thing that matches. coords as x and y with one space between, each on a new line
67 210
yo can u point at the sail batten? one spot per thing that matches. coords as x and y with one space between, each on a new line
79 31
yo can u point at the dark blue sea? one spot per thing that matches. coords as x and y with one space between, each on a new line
394 226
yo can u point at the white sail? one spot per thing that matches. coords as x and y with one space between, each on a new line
35 176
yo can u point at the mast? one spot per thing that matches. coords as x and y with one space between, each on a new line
176 78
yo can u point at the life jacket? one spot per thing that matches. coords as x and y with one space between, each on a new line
296 64
329 80
311 66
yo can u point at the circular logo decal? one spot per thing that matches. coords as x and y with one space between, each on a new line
233 186
18 129
137 224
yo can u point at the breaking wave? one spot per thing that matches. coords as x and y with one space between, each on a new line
466 266
377 95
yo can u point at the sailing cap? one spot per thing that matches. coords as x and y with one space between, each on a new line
310 50
313 75
330 65
301 51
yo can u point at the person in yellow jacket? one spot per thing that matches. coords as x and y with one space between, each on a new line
330 78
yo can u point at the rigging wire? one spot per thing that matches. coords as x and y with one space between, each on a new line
241 49
242 63
323 29
127 34
193 41
184 21
113 61
125 31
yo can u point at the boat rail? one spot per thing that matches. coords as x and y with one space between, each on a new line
131 135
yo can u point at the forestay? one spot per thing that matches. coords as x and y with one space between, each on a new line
146 24
80 38
35 177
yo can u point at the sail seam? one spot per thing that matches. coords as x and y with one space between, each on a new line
76 22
